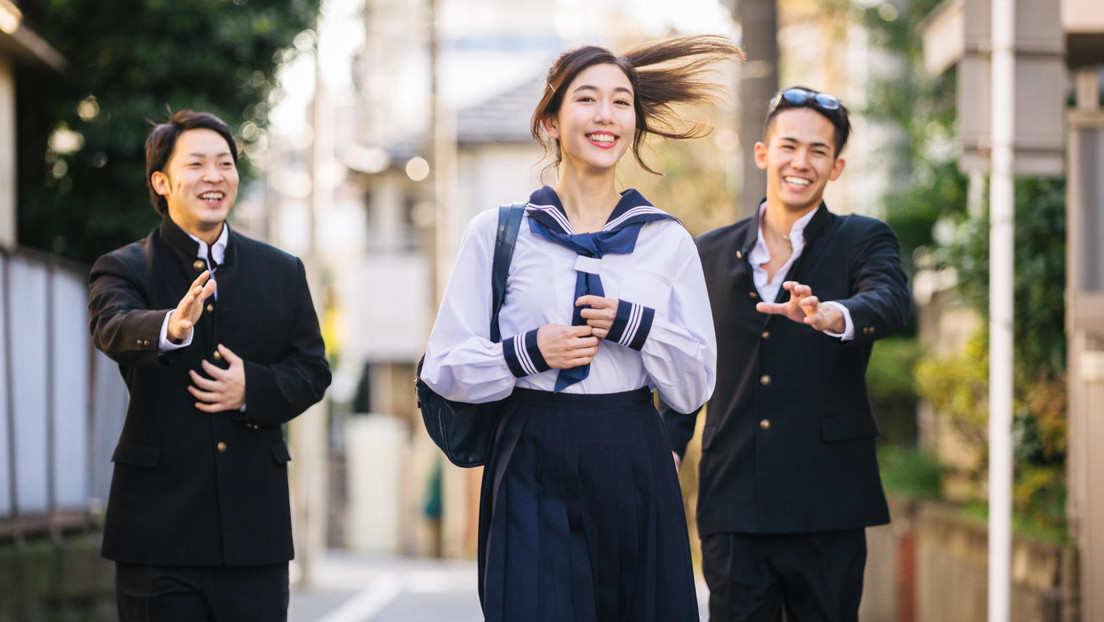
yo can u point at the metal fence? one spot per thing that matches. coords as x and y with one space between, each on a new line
61 401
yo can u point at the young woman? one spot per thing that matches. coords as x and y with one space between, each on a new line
581 517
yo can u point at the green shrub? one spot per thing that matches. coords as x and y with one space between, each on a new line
909 472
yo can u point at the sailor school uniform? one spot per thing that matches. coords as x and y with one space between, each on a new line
581 516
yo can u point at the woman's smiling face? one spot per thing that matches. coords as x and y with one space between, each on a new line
597 119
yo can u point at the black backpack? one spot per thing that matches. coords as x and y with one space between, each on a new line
465 432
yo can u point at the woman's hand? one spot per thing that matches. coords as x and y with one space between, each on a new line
599 313
566 346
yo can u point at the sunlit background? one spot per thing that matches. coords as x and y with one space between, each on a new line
373 130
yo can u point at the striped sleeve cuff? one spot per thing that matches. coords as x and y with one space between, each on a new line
631 326
523 356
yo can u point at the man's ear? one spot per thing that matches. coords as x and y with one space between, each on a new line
550 128
160 183
837 168
760 152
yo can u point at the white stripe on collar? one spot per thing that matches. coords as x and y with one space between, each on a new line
561 218
635 211
555 213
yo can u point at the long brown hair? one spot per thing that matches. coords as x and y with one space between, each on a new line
662 73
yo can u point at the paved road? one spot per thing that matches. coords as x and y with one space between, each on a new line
357 587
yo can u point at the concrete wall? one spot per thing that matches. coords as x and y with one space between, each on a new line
931 565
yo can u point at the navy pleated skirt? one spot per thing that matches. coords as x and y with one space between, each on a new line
581 516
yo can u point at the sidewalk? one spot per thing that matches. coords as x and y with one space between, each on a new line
364 587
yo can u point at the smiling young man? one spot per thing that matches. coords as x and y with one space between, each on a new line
789 479
217 339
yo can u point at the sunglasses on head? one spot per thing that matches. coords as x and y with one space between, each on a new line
804 97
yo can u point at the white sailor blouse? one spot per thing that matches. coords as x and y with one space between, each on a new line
663 336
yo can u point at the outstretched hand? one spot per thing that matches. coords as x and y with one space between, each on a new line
566 346
805 308
223 389
190 307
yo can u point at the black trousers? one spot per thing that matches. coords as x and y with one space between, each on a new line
816 577
201 594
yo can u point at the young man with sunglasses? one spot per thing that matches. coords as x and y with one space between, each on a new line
789 479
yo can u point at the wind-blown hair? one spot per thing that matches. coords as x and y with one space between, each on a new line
663 74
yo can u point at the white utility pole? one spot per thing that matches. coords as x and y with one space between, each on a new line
1001 304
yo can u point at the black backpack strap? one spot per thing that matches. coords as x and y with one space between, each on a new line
509 221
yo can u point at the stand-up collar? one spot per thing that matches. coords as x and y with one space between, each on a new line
190 246
813 229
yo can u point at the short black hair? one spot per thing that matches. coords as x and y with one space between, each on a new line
162 141
838 116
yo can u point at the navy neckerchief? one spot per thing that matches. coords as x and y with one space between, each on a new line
548 219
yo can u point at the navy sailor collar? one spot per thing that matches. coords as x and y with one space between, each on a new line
631 204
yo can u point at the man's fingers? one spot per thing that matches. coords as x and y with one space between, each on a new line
209 401
206 384
770 307
200 394
215 407
201 294
201 279
229 355
204 396
213 370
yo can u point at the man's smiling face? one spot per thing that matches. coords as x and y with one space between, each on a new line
799 157
199 183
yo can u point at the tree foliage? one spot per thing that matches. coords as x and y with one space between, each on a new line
931 219
82 188
923 107
1040 273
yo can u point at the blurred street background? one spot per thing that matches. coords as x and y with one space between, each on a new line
368 587
373 130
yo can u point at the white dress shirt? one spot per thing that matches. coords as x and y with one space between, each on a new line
768 289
